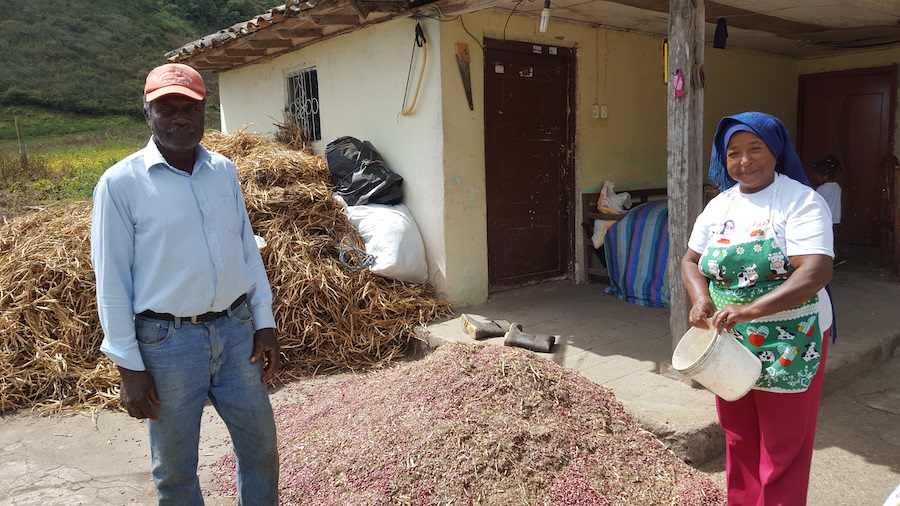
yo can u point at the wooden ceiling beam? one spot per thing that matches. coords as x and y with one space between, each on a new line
298 33
335 19
385 6
203 65
270 43
360 9
244 52
222 58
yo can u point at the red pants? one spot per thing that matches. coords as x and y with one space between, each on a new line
769 443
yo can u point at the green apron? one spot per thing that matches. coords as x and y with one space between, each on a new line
743 266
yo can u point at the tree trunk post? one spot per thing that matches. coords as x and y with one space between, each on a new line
685 145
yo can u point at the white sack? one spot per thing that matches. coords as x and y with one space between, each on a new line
600 228
392 237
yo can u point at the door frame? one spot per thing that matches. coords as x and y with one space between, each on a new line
568 166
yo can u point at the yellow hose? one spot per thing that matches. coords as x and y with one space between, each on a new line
421 73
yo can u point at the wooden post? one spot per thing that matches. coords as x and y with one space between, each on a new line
685 146
23 157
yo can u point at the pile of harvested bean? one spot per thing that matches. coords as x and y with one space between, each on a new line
329 317
472 424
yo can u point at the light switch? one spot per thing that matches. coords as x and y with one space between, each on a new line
604 112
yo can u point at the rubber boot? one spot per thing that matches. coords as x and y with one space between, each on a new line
534 342
479 329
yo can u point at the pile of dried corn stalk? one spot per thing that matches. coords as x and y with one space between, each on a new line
329 317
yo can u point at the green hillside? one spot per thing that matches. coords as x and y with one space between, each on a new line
89 57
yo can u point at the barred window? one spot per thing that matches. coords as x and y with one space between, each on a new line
303 101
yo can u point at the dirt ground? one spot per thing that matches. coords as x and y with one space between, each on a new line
103 459
856 461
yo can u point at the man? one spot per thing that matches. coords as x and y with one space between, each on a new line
184 301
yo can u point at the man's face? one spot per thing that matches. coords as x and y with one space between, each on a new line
176 121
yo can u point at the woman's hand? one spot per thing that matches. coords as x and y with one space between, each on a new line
730 315
700 312
697 286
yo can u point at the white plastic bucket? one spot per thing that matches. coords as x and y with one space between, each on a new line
717 361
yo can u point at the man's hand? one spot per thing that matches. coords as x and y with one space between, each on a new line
138 393
266 347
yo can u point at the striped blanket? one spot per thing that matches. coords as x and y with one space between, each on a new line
637 248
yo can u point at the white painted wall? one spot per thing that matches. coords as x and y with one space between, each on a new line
362 80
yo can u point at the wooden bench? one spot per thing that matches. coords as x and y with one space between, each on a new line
590 213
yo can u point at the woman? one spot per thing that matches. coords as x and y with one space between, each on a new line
768 289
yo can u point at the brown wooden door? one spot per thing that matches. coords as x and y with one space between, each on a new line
850 115
529 177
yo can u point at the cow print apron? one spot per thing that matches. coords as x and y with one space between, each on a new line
743 265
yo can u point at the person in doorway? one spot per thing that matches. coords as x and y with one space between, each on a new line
823 180
780 248
184 300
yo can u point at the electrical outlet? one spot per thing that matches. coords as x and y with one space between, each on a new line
595 111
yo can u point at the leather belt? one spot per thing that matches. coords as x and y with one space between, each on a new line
203 318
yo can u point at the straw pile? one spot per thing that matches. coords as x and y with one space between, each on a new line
329 317
49 334
472 424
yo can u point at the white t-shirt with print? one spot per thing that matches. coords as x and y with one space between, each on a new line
801 218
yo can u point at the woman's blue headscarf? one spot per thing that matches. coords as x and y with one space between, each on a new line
768 128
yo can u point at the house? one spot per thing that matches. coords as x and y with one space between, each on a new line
498 126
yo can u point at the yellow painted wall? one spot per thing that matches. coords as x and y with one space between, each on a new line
464 273
740 81
623 72
862 59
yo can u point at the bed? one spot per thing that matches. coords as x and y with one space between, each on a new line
635 249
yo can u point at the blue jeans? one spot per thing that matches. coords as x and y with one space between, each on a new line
190 363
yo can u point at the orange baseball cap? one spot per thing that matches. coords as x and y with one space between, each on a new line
174 78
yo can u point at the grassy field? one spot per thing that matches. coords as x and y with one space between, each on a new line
65 154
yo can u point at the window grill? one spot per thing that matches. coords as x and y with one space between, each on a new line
303 102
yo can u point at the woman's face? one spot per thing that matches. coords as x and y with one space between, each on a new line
750 162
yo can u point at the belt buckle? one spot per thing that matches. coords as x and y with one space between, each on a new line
194 320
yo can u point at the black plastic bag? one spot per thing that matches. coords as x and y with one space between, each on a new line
359 174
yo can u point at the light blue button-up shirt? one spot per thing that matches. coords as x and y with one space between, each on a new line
171 242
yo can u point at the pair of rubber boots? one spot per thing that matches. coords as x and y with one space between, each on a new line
513 336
